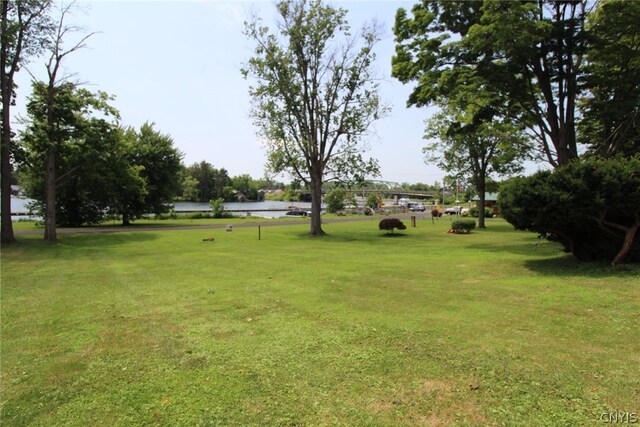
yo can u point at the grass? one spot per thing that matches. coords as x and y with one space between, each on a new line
161 328
179 221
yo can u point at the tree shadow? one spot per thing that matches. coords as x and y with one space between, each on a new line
548 259
80 244
393 235
568 266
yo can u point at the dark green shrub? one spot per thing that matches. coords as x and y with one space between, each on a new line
591 207
463 226
391 223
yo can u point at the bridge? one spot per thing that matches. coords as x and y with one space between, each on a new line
382 188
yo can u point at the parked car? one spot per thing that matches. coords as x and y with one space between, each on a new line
295 211
416 207
456 210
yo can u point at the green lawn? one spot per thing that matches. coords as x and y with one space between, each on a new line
354 329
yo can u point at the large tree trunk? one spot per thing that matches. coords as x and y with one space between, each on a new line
481 186
5 177
316 206
626 246
629 236
6 234
50 197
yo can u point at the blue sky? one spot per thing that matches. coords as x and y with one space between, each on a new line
177 63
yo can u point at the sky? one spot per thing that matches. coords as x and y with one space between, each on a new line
177 64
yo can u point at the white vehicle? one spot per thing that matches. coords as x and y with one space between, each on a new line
403 202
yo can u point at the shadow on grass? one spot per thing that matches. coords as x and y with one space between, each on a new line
84 244
568 266
547 258
354 237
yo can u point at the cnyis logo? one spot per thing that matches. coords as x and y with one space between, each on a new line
619 417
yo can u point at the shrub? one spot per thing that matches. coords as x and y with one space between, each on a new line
463 226
436 213
335 200
198 215
391 223
217 208
373 201
590 206
475 212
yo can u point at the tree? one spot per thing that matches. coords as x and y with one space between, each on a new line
189 188
211 182
23 31
467 145
591 207
530 54
611 113
93 170
73 136
245 185
314 95
335 200
58 124
390 223
159 163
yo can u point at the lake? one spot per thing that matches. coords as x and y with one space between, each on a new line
266 209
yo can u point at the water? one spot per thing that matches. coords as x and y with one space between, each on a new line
266 209
19 207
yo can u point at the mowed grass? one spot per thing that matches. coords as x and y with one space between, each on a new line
354 329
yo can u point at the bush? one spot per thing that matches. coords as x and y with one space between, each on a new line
391 223
335 200
436 213
463 226
198 215
373 201
591 207
217 208
475 212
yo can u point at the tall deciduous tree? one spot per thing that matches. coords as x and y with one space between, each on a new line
530 53
93 168
23 31
55 133
468 146
159 164
314 95
210 182
610 122
70 145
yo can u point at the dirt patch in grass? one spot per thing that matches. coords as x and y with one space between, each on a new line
432 402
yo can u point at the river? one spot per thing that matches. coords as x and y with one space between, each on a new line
266 209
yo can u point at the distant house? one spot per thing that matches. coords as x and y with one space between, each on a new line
490 201
16 190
